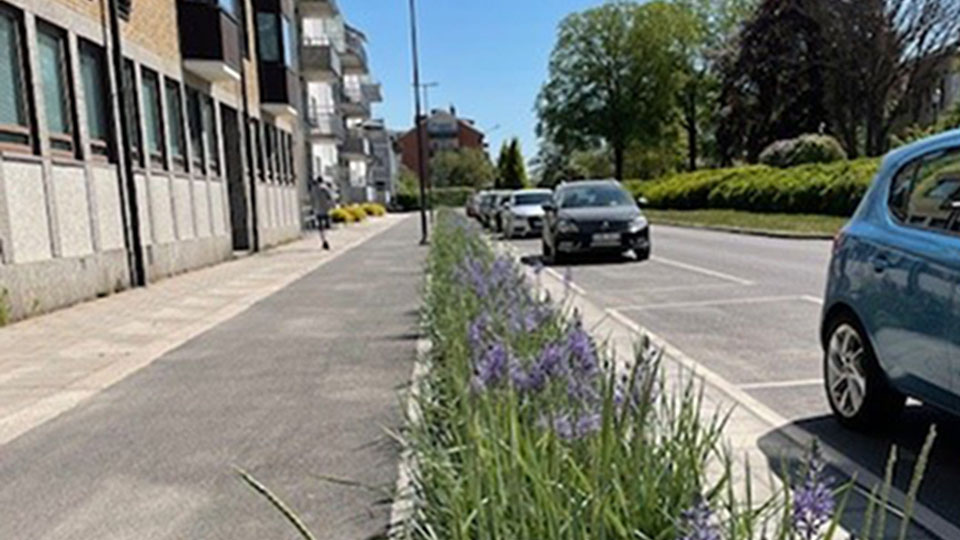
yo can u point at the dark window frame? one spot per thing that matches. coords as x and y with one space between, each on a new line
179 162
211 135
149 76
62 144
132 103
100 149
27 132
194 121
257 146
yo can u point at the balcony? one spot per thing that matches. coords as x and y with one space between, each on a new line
352 105
355 146
209 41
318 8
355 56
279 89
371 92
325 122
319 61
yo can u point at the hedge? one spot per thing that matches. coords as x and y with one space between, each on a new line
449 196
831 189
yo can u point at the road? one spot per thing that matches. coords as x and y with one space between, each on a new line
748 308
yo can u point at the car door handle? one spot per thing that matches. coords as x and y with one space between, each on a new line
880 263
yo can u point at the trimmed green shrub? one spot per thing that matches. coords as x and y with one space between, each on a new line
802 150
374 209
357 211
341 215
832 189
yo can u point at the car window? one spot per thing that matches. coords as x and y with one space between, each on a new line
531 199
926 194
594 196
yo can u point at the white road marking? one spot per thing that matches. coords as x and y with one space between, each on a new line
709 303
701 270
781 384
813 299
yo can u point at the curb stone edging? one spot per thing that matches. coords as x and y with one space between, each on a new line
766 233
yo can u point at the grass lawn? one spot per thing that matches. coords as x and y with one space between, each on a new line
811 224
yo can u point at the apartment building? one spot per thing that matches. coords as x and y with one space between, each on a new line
445 131
340 93
141 139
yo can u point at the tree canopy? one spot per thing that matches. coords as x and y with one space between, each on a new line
464 167
613 76
512 174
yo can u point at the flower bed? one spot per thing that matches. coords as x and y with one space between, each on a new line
527 430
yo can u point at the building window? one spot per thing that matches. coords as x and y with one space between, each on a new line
52 51
178 149
289 43
195 120
230 7
290 160
150 89
210 130
14 118
133 111
268 37
95 98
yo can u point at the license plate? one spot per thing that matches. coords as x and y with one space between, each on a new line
606 239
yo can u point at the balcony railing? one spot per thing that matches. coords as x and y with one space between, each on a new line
318 57
371 92
355 56
353 104
355 145
318 7
325 121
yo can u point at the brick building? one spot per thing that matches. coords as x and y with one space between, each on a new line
445 131
126 158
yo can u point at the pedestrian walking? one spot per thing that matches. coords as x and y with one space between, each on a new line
322 198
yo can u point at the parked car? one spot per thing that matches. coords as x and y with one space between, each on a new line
473 204
892 308
523 212
595 216
484 207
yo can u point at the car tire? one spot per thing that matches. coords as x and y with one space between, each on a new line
850 369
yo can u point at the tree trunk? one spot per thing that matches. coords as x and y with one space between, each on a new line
618 158
690 125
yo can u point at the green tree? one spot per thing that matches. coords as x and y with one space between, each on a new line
465 167
512 172
613 77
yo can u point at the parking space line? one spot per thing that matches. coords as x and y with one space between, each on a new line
812 299
709 303
701 270
781 384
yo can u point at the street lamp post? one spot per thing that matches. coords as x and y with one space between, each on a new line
418 118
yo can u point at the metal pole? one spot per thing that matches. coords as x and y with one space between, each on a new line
418 118
130 213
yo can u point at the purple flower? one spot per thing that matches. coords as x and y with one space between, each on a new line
813 501
580 348
550 360
476 331
698 523
525 381
491 367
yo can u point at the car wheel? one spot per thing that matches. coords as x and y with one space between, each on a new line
857 389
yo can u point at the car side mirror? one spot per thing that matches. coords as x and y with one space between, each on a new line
642 202
549 207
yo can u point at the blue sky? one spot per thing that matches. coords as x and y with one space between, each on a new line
489 56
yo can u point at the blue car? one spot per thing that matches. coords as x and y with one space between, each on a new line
891 319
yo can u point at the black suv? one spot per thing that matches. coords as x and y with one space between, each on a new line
593 216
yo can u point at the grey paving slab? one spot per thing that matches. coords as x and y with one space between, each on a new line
300 386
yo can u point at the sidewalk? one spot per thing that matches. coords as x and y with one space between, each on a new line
122 417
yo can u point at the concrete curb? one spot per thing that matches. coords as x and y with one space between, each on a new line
404 501
747 232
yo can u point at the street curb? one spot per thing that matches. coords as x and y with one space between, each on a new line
765 233
923 517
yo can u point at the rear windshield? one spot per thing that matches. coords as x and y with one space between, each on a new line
594 196
531 199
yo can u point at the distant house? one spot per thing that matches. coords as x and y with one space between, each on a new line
445 131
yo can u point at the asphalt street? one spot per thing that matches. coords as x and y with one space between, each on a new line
301 390
748 308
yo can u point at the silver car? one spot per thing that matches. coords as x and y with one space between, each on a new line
522 214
